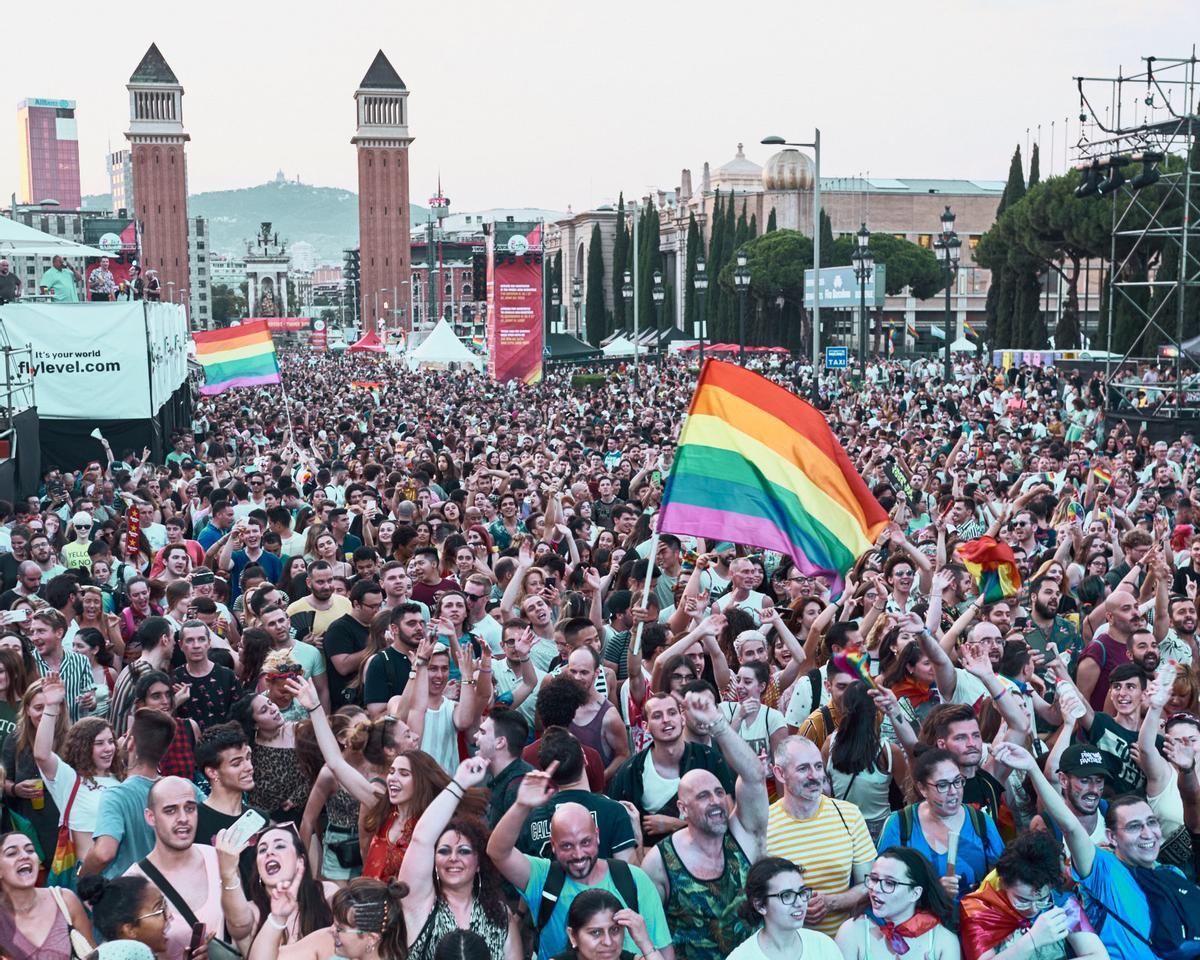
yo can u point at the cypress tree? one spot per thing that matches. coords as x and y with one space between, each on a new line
716 259
742 231
753 225
1008 323
595 314
1035 174
690 315
826 240
620 263
771 227
726 306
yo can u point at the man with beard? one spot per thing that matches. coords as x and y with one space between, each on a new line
1180 642
179 867
1047 627
1081 776
550 886
742 573
1109 650
650 779
954 727
321 601
700 871
388 671
438 719
224 756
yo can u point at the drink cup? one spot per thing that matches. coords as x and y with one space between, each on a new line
38 800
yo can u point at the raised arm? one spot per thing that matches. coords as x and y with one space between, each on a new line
535 789
54 691
513 590
1157 770
358 786
752 799
799 659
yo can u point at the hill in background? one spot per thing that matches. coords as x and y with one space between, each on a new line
326 217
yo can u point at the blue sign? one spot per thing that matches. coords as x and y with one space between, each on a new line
839 287
837 358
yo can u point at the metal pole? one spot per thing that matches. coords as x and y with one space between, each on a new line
741 325
862 321
816 339
946 372
700 323
1184 267
637 353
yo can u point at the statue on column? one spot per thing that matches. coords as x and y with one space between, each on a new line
266 302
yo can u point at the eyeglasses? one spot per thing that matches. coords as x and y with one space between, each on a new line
1032 903
945 786
789 897
683 676
887 884
162 909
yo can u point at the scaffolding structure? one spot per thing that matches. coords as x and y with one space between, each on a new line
1150 118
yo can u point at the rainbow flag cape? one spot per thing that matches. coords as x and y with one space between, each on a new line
993 566
757 465
241 356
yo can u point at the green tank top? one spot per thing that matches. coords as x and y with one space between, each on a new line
704 913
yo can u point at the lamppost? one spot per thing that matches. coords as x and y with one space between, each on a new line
700 283
741 280
948 247
816 312
627 293
577 299
864 264
555 302
657 293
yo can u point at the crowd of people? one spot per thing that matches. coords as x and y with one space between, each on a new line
380 666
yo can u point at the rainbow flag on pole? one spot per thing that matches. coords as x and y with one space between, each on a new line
971 330
758 465
992 564
242 356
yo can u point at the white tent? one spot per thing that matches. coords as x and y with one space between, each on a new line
18 240
621 347
442 348
962 345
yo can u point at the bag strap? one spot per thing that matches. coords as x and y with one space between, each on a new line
56 893
624 882
168 891
550 891
850 785
906 822
66 817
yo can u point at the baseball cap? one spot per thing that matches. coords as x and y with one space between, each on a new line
202 575
1083 760
82 519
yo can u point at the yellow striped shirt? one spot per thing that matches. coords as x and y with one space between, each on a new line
827 846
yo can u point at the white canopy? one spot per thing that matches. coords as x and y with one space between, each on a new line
621 347
18 240
442 347
962 345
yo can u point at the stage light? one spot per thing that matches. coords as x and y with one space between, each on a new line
1115 177
1090 181
1150 173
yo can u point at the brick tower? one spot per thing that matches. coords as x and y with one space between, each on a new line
156 139
383 217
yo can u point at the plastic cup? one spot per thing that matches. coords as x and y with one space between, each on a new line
38 800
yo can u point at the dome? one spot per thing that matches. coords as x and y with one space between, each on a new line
789 169
739 168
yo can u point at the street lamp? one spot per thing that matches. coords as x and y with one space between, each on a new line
555 302
700 283
657 293
864 264
741 280
627 293
948 248
816 310
577 299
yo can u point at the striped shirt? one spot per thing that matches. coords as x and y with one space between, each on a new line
76 674
827 846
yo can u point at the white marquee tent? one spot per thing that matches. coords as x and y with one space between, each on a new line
621 347
18 240
442 348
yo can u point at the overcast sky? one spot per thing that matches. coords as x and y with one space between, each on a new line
553 103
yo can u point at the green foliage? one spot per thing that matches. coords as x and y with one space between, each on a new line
908 264
227 304
690 308
585 381
1035 170
620 263
594 311
827 241
771 225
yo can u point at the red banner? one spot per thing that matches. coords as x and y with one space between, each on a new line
133 526
283 324
514 308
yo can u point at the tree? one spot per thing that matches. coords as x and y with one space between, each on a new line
594 311
771 227
227 304
690 312
1035 175
826 240
775 314
552 277
620 263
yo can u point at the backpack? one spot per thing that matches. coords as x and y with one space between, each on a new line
622 878
978 824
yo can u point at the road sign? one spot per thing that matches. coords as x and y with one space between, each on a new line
837 358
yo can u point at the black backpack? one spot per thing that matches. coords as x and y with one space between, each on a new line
978 823
622 879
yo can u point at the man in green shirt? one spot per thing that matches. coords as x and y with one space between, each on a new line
60 281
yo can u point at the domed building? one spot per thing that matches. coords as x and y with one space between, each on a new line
739 175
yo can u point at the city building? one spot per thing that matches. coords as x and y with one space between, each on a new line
68 224
49 152
120 179
227 270
382 141
198 270
907 208
157 140
304 256
327 275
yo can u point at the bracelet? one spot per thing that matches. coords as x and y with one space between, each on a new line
47 713
1001 693
718 725
469 683
483 670
278 925
236 885
421 663
526 660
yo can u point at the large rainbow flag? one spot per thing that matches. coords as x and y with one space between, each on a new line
758 465
241 356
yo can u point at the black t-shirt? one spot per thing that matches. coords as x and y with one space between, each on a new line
212 695
386 677
612 821
986 792
344 635
8 572
209 820
1115 742
8 287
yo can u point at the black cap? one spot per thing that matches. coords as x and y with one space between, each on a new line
1084 760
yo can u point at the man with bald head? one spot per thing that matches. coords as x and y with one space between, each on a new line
700 871
576 866
179 867
1109 646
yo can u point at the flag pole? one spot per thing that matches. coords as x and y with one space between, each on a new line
652 558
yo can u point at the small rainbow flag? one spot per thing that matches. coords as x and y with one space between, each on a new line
971 330
1104 476
891 344
854 663
911 328
242 356
993 566
756 464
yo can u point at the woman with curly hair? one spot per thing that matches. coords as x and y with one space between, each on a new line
89 765
452 882
368 924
